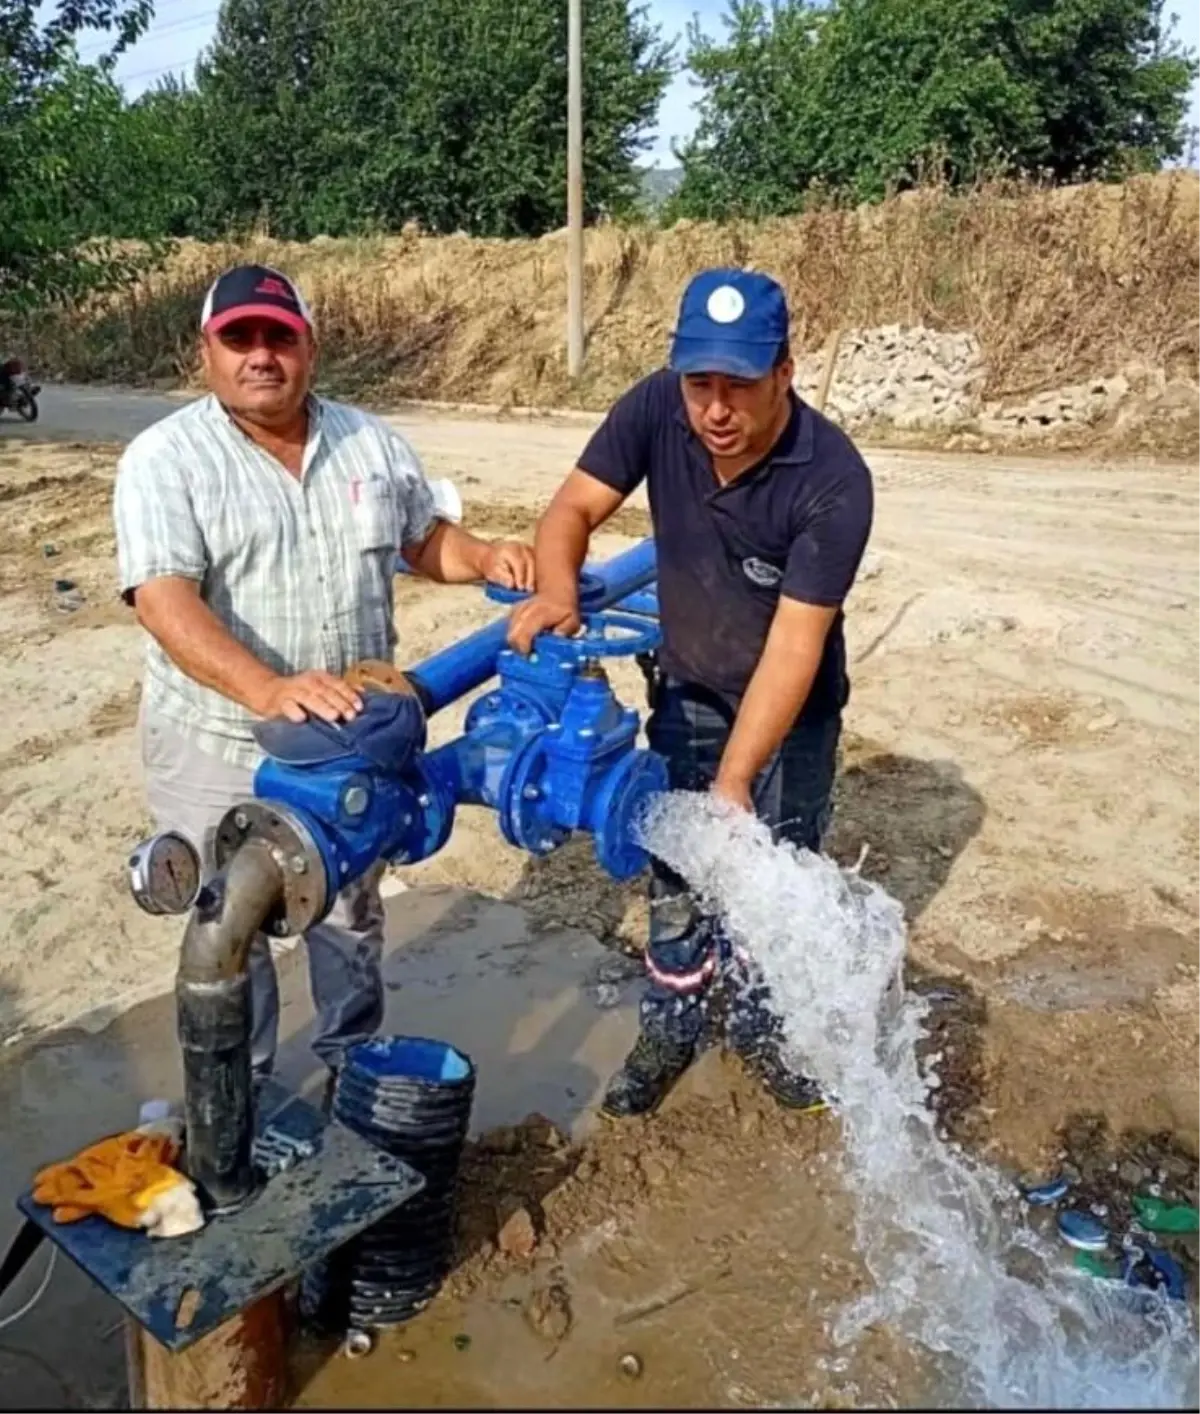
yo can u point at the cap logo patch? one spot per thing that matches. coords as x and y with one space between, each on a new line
726 305
271 286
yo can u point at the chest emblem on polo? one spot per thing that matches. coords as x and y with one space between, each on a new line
759 572
726 305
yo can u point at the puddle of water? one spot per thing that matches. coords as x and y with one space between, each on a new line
957 1269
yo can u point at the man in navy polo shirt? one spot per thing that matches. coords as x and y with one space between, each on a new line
761 511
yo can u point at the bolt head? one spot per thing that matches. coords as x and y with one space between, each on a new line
355 800
242 820
532 793
423 801
299 864
587 731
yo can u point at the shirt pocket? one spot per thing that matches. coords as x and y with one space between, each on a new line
374 514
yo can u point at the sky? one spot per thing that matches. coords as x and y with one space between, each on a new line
182 28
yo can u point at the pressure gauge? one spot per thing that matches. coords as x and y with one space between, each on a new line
164 874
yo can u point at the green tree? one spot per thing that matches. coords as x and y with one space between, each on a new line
347 116
859 95
154 181
54 111
259 116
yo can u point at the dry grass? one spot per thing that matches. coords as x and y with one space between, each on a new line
1059 286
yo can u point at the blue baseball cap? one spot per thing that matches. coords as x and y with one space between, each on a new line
730 321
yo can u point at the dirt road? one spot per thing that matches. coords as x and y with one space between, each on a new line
1021 763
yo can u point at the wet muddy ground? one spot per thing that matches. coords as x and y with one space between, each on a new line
1020 764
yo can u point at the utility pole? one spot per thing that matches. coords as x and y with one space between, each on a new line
574 188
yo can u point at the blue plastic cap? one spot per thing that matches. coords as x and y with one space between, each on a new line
730 321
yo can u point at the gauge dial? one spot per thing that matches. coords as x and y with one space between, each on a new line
164 874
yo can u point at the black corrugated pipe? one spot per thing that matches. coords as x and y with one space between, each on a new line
212 1000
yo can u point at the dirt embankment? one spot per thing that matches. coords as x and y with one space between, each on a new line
1059 288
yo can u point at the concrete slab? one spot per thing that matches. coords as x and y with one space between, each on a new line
458 966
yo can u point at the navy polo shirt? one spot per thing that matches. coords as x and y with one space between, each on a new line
795 524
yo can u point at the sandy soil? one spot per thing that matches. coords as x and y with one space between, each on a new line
1021 763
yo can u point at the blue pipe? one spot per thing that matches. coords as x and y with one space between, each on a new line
645 601
444 677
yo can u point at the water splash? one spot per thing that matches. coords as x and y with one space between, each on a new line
955 1266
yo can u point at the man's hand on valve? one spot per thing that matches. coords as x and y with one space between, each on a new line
542 615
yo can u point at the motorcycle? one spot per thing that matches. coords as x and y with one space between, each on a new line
18 391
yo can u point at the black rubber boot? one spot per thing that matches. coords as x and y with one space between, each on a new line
788 1086
643 1082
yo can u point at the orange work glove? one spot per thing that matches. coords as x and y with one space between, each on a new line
127 1179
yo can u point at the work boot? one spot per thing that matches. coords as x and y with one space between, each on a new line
789 1087
642 1083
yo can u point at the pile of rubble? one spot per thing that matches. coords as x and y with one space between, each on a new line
1077 405
917 379
913 378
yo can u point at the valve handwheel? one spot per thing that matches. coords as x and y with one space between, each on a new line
591 591
635 635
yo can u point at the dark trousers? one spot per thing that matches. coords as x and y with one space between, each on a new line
689 962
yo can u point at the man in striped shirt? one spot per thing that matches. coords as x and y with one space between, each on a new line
257 533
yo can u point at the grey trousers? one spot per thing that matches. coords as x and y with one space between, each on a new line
189 790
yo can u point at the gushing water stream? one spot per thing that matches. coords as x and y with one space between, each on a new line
955 1266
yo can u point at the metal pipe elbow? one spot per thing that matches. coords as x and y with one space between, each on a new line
230 910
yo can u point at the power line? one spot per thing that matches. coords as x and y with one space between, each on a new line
160 69
189 22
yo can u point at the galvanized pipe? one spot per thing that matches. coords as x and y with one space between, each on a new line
212 1006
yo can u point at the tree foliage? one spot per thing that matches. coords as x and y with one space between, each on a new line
454 114
307 116
56 114
860 95
347 116
260 114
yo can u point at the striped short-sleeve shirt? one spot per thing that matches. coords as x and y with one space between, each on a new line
300 571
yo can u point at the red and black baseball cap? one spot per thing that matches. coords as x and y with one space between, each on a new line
254 292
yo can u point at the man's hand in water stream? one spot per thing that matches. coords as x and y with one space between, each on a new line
733 793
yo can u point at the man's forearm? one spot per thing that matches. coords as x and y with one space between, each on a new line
200 645
776 695
560 548
768 711
449 555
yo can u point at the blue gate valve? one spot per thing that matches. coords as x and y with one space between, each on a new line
583 771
